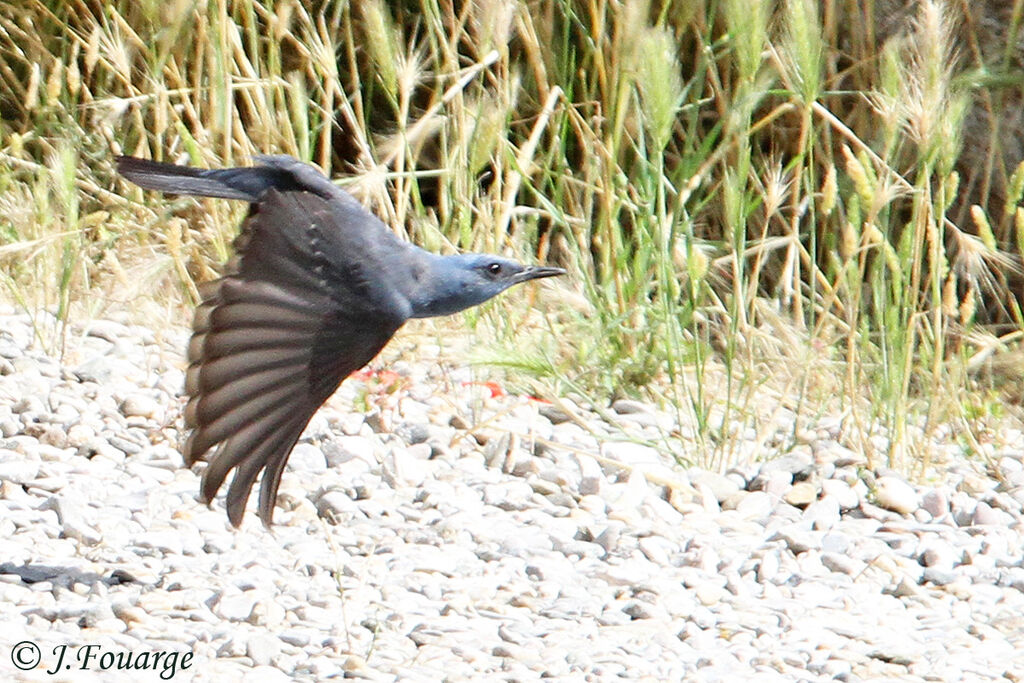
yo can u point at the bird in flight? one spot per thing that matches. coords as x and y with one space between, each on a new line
317 287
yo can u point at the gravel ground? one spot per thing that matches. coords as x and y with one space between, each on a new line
456 535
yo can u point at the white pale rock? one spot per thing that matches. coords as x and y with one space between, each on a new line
306 457
18 470
775 482
591 475
722 487
936 503
897 495
350 448
801 494
823 513
236 606
631 454
841 492
985 514
140 405
756 505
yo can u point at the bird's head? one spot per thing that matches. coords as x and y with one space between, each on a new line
466 280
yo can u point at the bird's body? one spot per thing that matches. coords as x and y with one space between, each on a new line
317 288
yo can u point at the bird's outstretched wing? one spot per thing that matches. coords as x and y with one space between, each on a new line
304 303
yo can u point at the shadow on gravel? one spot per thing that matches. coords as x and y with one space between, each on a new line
64 576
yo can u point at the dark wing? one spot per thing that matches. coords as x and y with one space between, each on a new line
247 183
304 304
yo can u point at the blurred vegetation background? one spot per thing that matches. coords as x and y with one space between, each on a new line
768 208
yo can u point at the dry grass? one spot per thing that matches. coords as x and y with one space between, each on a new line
812 210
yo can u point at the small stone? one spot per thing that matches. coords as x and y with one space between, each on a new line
892 493
591 475
843 564
306 457
262 648
774 483
411 465
266 613
139 405
638 609
631 454
721 486
799 465
801 494
554 414
905 588
375 421
743 474
82 532
798 540
17 468
129 614
295 637
841 492
710 594
657 549
341 450
756 505
938 577
108 330
236 606
768 568
985 514
123 445
936 554
352 424
625 406
835 542
837 455
609 538
510 495
962 506
335 505
684 498
53 435
976 485
413 432
1009 464
71 516
821 514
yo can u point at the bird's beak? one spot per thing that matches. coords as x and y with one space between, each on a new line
536 272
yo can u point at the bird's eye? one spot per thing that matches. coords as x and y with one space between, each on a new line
494 268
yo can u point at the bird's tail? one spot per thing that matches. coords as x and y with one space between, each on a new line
247 184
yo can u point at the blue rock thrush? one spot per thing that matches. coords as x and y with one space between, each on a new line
317 288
